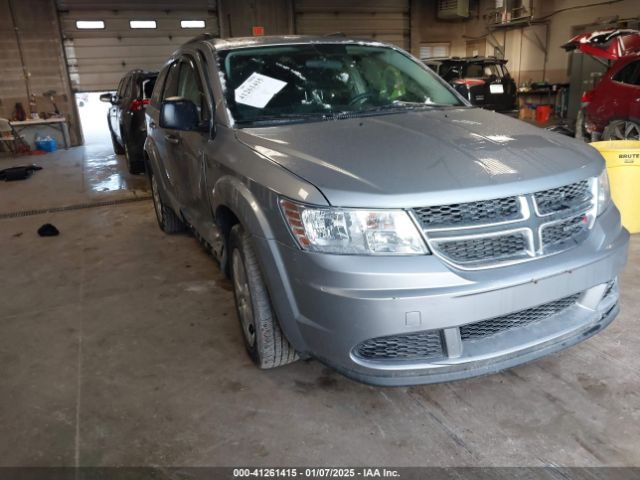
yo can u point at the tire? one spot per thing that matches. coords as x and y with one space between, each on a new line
266 344
117 148
168 221
134 165
621 130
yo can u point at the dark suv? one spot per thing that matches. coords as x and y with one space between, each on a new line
126 116
484 81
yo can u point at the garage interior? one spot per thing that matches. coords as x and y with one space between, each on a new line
120 346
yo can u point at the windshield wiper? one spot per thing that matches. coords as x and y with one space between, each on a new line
286 118
402 105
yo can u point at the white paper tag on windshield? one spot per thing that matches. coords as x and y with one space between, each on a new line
258 90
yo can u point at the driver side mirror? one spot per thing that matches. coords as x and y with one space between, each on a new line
107 97
177 113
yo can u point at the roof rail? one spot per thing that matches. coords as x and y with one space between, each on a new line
334 34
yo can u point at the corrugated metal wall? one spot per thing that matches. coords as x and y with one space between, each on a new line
384 20
135 4
98 59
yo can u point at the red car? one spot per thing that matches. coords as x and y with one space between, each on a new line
611 111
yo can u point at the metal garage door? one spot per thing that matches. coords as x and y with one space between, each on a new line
99 57
384 20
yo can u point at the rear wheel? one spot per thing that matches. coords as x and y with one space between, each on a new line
621 130
168 221
134 164
263 338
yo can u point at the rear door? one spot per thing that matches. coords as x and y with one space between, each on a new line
167 140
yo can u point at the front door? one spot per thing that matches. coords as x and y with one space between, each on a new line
192 158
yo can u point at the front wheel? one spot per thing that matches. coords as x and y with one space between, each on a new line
266 344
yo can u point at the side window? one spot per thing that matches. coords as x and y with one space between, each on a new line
147 87
157 89
630 74
171 85
120 89
128 93
190 88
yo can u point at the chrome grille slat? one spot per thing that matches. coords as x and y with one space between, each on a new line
494 326
411 346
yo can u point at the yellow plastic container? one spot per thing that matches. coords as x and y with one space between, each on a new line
623 166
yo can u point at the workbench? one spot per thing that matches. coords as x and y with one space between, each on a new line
57 123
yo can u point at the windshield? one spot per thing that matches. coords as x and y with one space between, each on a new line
317 81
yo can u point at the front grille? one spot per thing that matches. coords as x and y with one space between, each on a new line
563 198
412 346
567 230
493 326
472 213
483 249
473 234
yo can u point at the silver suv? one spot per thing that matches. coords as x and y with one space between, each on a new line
369 217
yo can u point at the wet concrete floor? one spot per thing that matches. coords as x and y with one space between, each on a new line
119 345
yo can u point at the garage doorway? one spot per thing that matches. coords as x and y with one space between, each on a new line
93 118
102 44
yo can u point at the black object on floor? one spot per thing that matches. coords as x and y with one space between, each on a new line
18 173
48 230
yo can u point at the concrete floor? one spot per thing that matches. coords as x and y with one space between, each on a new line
119 345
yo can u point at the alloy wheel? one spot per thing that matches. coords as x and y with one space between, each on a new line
243 298
625 131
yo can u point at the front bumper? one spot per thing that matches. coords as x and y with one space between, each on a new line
329 304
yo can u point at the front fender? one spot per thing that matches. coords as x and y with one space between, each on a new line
232 193
259 214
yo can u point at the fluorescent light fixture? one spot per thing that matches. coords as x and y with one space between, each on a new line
142 23
89 24
192 23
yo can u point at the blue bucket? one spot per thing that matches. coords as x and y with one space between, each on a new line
48 145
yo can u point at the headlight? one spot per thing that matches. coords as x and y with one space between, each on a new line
353 231
604 193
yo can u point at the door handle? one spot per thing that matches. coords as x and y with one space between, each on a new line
172 139
152 124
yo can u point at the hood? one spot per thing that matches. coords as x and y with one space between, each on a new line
424 157
607 44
